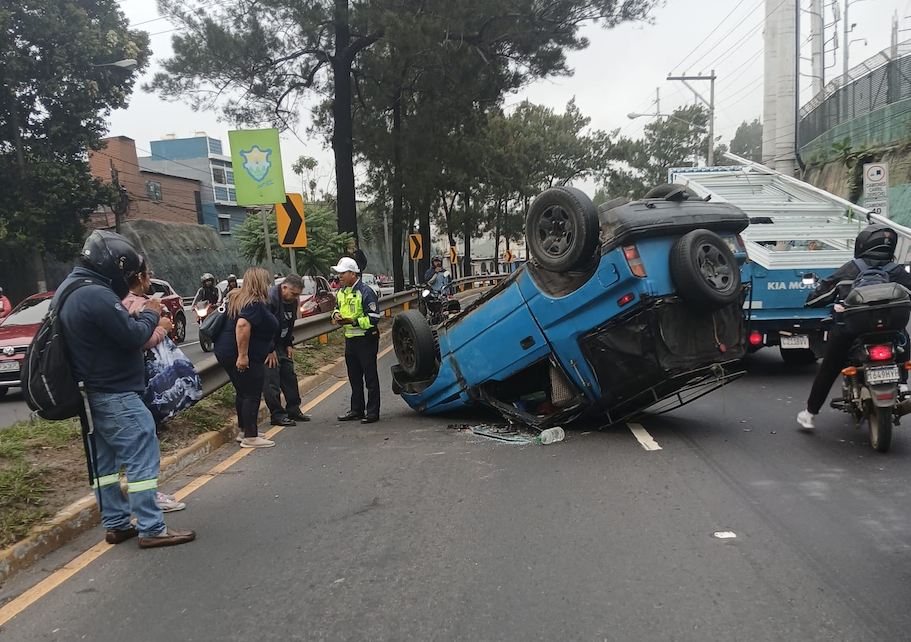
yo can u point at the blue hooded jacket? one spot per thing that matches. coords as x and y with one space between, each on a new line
104 340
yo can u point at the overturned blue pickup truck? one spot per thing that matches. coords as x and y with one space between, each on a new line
624 309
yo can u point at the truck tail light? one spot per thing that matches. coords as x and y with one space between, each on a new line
755 338
631 252
743 246
881 353
625 299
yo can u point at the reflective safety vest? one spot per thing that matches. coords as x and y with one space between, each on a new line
359 303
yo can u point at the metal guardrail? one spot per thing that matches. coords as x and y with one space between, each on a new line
214 376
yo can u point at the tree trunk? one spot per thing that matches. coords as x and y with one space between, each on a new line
496 237
342 133
466 233
447 213
424 225
397 205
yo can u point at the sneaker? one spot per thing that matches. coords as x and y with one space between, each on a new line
240 436
168 504
805 419
256 442
284 421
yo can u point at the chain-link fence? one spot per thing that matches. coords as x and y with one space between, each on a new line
882 80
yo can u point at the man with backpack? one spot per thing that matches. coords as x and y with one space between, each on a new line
104 344
874 250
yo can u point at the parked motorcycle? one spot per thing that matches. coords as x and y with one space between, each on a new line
202 310
877 315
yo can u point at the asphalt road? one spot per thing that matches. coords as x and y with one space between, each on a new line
410 530
13 407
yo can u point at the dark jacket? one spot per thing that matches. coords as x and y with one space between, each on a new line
206 294
836 287
286 313
104 340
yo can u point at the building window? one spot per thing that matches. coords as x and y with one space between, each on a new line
214 146
224 225
232 195
218 175
153 190
230 176
221 193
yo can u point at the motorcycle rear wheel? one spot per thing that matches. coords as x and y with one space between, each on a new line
206 344
880 428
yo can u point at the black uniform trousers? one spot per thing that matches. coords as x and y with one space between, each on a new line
360 357
282 379
838 343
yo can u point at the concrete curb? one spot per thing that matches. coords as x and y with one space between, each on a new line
83 514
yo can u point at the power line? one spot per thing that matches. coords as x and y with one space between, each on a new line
717 27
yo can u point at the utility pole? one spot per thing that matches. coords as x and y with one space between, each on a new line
710 103
786 109
122 206
818 39
770 84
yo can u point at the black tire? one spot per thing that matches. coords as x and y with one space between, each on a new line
797 357
675 191
413 342
3 392
562 229
205 344
880 428
704 271
180 328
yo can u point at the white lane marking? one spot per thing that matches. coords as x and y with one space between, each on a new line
188 343
725 535
648 442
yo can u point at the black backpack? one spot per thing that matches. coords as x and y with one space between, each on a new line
868 275
48 383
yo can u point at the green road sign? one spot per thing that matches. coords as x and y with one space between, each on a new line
257 162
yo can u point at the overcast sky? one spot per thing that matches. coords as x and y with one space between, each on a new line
617 74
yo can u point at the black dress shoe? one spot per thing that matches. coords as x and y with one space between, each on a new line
299 416
370 419
350 416
284 421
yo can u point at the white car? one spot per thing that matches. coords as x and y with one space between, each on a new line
370 280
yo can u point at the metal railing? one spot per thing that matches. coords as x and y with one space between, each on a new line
214 376
881 80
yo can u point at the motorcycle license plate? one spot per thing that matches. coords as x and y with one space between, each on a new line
798 342
9 366
884 374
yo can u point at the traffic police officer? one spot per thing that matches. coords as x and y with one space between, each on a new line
357 309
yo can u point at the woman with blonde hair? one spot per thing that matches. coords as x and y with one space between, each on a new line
242 347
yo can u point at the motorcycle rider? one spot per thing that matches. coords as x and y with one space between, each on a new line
208 291
232 283
434 276
876 246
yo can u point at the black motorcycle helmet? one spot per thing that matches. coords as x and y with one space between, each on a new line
113 257
436 257
876 243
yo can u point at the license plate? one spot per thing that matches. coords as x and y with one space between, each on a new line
9 366
884 374
799 342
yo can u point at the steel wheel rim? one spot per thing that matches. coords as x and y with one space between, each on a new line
405 348
555 231
714 267
181 330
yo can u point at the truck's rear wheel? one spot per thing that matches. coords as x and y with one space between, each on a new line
797 357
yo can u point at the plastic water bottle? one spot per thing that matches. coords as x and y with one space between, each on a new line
551 435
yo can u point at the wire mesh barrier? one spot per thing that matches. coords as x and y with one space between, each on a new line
882 80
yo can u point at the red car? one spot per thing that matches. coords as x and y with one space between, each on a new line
174 303
316 296
16 333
